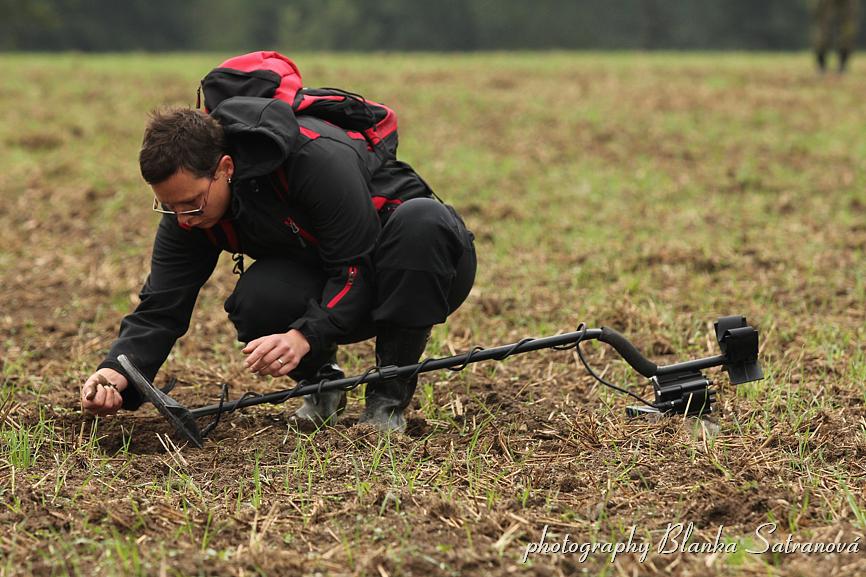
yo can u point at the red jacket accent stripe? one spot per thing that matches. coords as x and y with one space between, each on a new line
231 237
381 201
300 231
353 271
311 134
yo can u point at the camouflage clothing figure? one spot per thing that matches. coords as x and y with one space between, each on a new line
835 27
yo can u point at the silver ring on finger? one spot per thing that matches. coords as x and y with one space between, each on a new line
282 363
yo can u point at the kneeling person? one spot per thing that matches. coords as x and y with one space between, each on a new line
294 194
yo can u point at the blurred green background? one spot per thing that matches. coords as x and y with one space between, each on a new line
360 25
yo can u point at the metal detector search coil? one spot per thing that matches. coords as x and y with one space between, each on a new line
679 388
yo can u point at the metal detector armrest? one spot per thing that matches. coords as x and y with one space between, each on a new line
739 344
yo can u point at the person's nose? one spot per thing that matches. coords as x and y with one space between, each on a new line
185 221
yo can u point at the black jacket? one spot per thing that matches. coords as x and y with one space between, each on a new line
323 217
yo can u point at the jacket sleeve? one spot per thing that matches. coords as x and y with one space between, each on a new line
328 180
182 262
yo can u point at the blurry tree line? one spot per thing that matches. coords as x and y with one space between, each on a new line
241 25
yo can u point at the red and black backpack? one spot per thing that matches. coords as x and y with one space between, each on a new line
272 75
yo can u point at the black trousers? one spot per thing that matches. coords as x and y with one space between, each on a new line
424 262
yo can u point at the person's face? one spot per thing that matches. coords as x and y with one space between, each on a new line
184 192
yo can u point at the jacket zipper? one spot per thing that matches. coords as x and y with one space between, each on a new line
300 233
353 272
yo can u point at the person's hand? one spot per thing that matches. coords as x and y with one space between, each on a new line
276 355
100 394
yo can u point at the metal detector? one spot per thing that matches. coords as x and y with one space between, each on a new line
680 388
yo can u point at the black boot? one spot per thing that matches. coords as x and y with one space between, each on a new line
844 53
324 408
386 400
821 60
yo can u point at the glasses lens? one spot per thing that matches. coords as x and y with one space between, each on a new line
159 207
185 210
167 209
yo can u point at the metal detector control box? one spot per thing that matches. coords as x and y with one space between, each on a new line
683 389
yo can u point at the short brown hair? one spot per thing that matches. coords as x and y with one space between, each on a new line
178 138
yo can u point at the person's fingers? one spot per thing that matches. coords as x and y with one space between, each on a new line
266 371
257 353
278 352
287 368
284 364
274 360
99 399
87 403
258 365
108 397
272 369
262 359
95 410
275 367
253 358
252 345
115 400
88 391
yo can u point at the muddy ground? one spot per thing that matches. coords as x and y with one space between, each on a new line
651 194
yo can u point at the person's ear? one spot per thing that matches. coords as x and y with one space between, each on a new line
227 165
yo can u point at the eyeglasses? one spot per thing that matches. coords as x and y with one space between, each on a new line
167 208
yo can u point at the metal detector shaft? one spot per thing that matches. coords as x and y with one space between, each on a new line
679 388
620 343
394 372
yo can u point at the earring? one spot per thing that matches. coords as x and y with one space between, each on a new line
229 180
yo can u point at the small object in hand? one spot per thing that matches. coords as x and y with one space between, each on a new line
100 380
